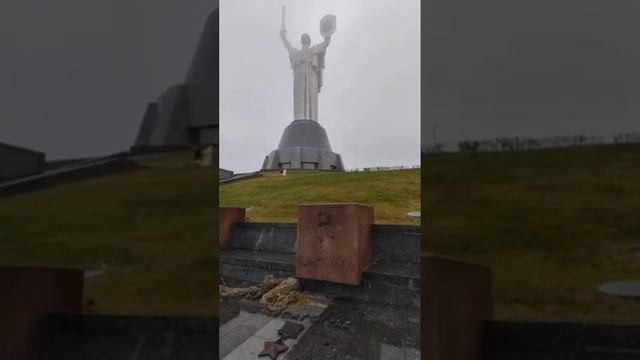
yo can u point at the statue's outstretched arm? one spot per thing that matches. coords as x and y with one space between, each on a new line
287 44
321 47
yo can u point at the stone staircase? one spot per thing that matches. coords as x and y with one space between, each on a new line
259 249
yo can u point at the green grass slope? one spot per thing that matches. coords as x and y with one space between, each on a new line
155 228
552 224
274 198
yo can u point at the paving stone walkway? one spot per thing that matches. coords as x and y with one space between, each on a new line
342 329
239 329
244 336
375 331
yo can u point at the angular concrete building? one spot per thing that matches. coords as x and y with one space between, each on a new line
186 114
17 162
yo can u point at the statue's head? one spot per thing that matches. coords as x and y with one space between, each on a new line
305 40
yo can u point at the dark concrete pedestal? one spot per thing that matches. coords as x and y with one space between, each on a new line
304 145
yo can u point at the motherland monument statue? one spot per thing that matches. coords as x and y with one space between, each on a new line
304 143
307 64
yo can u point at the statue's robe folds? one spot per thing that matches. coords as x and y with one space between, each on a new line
307 64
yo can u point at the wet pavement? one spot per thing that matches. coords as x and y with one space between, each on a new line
345 329
357 330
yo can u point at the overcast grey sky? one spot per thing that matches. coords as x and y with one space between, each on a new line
534 68
370 101
76 75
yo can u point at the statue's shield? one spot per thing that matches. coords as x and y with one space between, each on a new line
327 25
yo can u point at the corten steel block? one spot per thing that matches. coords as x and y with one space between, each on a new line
227 217
456 300
26 295
334 242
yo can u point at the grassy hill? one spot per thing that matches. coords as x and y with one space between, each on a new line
553 224
155 229
274 198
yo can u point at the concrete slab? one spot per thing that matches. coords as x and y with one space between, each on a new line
256 321
255 344
238 341
369 326
413 354
239 329
247 350
390 352
269 332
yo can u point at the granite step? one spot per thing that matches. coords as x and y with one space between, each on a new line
253 266
395 243
384 282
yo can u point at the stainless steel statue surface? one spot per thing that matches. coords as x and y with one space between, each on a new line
304 143
307 63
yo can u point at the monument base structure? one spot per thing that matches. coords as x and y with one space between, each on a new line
333 249
304 145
